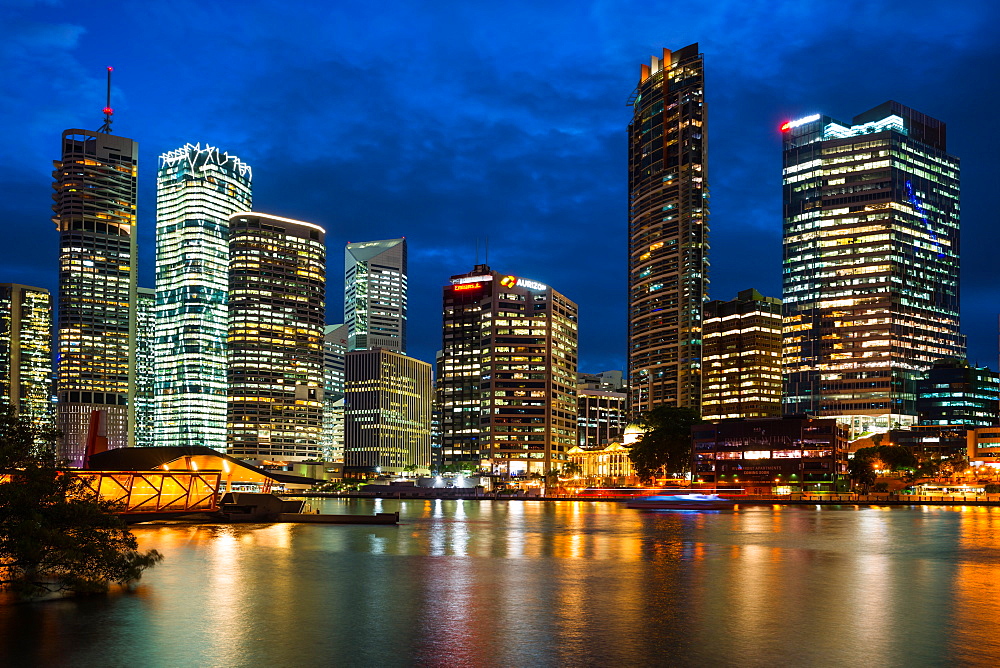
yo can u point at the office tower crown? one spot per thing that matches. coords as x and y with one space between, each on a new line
375 294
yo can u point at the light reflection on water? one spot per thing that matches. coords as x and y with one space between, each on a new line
524 583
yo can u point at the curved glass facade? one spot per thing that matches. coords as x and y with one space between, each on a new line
668 231
198 189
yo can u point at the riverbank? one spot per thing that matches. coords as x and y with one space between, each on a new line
750 500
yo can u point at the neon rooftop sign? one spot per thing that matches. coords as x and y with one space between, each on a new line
471 279
511 281
788 125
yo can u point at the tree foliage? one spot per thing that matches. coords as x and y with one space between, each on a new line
56 536
884 457
666 444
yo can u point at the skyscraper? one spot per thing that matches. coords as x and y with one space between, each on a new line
375 295
507 374
197 190
26 352
95 212
871 217
334 351
668 231
742 357
387 415
143 406
277 287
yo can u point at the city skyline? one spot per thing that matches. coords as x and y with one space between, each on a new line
559 134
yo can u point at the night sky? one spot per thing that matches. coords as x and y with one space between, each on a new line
448 122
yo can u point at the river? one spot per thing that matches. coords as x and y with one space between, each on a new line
533 583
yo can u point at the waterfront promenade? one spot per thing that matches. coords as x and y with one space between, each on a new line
876 499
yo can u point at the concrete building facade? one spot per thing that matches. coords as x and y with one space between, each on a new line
277 288
668 231
94 209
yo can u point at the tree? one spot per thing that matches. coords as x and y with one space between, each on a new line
571 469
55 534
666 444
879 457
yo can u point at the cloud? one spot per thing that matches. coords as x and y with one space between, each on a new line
448 123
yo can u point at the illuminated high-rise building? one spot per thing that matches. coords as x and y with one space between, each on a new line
334 351
387 412
871 254
506 382
277 287
668 231
143 406
198 189
26 352
95 212
375 295
742 357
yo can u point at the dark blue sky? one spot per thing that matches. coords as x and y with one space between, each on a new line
450 121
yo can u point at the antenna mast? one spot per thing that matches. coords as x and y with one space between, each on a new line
108 111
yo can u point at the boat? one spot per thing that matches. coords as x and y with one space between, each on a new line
682 502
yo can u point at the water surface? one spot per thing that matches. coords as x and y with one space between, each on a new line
529 583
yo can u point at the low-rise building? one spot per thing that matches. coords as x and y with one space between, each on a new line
604 465
771 455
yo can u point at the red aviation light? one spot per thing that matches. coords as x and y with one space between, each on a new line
467 286
108 110
786 126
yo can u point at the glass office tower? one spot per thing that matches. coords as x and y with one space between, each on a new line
95 212
375 295
197 190
26 352
143 413
668 231
871 255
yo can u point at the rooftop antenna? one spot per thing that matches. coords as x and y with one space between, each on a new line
108 111
487 260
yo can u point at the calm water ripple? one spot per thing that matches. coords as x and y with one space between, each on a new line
527 583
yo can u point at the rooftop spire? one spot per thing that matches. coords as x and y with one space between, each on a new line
108 111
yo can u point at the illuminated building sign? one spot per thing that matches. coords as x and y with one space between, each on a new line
511 281
788 125
467 286
471 279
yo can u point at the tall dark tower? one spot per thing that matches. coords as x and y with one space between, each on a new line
871 256
95 212
668 231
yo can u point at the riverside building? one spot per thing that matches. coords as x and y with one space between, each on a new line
742 357
387 413
375 295
198 189
871 259
952 392
26 352
771 455
277 287
507 374
94 210
668 231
